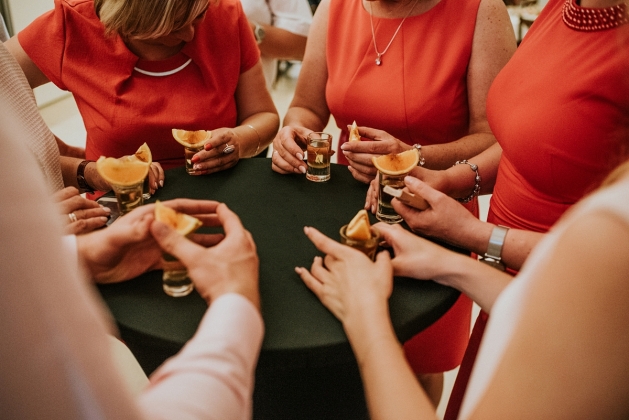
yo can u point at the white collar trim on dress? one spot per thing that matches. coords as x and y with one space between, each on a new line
164 73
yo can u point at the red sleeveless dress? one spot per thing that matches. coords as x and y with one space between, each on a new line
419 95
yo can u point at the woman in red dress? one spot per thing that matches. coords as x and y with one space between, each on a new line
402 67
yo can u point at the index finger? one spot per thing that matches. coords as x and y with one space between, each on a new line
193 207
324 244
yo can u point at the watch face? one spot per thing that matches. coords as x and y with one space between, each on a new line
497 264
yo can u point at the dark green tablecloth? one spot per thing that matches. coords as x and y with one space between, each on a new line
301 335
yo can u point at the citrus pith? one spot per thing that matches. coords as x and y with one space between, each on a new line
192 139
359 228
123 171
397 164
181 222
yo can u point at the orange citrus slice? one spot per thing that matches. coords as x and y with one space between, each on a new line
353 133
359 228
124 171
396 164
192 139
181 222
144 154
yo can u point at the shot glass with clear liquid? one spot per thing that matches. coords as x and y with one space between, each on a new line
386 213
369 247
175 280
318 149
129 196
189 152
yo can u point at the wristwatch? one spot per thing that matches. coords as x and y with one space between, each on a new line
80 177
259 33
422 161
494 250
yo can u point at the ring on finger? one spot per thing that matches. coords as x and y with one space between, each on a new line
228 149
72 217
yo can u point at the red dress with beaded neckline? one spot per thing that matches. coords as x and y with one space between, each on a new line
560 111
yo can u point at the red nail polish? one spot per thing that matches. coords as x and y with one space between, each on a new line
207 146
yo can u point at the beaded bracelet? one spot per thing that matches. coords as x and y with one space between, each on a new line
259 139
476 185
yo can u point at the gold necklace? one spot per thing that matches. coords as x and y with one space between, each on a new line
373 32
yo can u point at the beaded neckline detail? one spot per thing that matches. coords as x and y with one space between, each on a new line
594 19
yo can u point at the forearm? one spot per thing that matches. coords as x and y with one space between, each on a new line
282 44
69 166
257 132
480 282
391 389
301 116
443 156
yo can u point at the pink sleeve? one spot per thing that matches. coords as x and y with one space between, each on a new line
213 376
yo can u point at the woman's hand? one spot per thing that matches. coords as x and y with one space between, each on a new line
79 214
289 146
127 249
156 177
415 257
445 219
346 281
359 153
231 266
221 152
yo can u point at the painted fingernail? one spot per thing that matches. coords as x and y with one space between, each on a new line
161 182
103 219
106 209
343 146
207 146
302 169
300 156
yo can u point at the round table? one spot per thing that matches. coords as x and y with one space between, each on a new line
306 367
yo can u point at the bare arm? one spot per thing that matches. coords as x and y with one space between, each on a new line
33 74
573 339
309 109
255 108
280 43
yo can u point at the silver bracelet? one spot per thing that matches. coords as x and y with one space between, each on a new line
477 180
259 139
422 161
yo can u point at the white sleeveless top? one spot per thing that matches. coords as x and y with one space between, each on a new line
508 308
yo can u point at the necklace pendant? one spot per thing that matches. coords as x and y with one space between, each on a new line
378 60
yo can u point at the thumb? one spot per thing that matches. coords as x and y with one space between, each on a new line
419 187
174 243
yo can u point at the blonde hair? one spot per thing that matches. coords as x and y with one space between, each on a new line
143 19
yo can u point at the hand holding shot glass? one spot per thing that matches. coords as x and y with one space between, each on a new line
391 172
192 142
126 176
319 151
175 280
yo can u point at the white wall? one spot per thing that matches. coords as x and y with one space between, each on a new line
24 12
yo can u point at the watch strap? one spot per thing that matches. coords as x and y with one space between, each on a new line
493 255
80 177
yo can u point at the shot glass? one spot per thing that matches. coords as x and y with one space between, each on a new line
367 247
319 148
386 213
146 191
188 153
175 280
128 196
